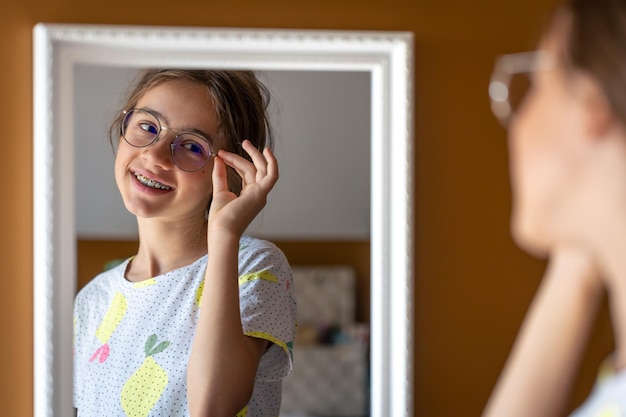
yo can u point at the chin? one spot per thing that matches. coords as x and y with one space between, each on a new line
530 236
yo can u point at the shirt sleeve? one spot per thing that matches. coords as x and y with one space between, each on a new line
607 397
268 305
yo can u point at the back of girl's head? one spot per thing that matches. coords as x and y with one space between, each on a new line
596 45
240 100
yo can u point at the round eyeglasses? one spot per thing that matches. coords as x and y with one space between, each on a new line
141 128
510 81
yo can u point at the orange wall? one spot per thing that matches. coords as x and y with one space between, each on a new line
472 284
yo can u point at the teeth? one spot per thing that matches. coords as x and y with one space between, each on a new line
151 183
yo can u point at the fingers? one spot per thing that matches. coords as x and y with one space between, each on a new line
220 182
257 158
263 169
272 164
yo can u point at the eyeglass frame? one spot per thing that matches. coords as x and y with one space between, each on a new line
505 67
158 136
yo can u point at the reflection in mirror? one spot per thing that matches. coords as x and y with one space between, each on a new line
64 54
321 122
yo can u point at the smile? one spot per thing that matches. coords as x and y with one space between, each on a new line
150 183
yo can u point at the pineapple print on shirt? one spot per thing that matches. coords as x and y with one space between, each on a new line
112 318
144 388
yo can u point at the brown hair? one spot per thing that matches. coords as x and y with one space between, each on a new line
597 46
240 100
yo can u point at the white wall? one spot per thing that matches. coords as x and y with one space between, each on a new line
322 126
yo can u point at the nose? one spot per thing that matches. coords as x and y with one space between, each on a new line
159 152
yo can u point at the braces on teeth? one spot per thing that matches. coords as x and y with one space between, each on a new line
151 183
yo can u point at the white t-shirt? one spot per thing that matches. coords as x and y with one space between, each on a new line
132 340
608 397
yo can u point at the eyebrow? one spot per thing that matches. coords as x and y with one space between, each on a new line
209 138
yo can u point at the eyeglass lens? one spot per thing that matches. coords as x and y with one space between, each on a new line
140 128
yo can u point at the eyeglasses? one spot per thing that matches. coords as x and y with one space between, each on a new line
510 81
142 128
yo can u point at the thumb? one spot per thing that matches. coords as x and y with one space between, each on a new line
220 183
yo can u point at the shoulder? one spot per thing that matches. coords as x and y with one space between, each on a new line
247 243
101 285
262 255
251 248
607 397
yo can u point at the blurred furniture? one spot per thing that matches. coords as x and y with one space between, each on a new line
331 355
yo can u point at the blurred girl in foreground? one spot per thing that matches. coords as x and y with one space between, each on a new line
567 145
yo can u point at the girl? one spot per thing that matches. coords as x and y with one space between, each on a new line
568 168
201 321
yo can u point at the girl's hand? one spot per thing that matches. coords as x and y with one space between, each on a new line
231 213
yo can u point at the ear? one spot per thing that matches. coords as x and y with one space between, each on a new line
597 112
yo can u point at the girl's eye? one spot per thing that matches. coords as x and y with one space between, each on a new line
194 148
148 127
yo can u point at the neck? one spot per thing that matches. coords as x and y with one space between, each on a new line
613 267
164 247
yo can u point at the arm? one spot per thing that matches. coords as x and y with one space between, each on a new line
539 373
224 361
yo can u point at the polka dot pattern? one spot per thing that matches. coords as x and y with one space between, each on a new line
165 313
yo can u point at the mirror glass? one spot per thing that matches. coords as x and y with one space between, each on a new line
321 124
375 71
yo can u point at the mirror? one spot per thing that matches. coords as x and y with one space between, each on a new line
386 56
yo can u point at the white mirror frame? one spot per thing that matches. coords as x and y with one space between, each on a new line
388 56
